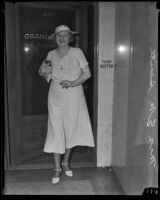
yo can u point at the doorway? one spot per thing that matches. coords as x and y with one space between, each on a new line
28 26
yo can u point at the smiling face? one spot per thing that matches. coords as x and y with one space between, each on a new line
63 38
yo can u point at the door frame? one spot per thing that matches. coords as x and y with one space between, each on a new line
11 31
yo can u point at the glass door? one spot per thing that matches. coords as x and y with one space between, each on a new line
34 23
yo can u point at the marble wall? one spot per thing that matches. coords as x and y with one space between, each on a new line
134 142
105 81
121 82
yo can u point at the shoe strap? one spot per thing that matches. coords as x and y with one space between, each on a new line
65 163
58 169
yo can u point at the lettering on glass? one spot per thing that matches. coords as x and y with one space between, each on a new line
36 36
49 14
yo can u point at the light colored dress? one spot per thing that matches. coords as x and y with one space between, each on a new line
68 120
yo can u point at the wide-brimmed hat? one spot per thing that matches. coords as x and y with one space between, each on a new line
61 28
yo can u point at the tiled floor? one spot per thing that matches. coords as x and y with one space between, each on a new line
103 180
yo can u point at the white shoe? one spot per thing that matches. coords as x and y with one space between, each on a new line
67 172
56 179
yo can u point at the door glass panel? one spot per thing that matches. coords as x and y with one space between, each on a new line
35 25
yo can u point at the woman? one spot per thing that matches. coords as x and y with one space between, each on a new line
68 121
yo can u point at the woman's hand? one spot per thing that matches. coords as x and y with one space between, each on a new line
66 84
85 74
46 68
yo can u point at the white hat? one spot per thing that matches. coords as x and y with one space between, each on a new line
61 28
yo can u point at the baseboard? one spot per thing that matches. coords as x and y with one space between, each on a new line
49 166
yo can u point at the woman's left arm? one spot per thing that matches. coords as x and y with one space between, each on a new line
84 75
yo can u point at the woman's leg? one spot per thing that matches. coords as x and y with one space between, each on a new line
57 162
66 159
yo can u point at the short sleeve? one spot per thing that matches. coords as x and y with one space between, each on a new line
48 57
81 58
